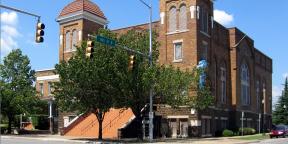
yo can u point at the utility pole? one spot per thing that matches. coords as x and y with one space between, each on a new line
151 114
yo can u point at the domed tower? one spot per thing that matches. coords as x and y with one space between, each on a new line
77 20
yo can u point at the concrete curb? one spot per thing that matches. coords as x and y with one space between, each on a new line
44 139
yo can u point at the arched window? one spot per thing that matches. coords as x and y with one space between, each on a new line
245 85
172 19
74 39
258 101
183 17
67 41
223 85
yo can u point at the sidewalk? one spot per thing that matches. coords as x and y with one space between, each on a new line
214 140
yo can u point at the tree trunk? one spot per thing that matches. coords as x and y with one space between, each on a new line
100 117
100 130
10 119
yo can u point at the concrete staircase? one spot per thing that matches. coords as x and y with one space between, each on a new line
86 125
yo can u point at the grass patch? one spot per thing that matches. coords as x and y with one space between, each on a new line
3 125
253 137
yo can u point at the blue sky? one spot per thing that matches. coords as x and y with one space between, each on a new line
264 21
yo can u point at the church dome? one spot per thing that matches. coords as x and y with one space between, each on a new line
83 6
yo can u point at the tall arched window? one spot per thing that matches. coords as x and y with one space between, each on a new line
67 41
172 19
258 101
74 39
183 17
245 85
223 83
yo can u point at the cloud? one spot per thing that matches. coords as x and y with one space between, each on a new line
9 32
223 17
9 18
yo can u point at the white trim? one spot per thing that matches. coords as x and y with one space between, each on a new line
192 11
52 77
80 35
177 32
178 117
41 70
61 39
206 117
198 12
195 122
70 122
128 122
224 118
162 17
180 41
82 15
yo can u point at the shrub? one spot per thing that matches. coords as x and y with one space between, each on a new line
227 133
247 131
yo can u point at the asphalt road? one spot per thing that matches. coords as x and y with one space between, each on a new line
273 141
24 140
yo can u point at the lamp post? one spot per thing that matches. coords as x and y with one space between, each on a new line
151 115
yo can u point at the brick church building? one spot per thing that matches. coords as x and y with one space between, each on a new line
240 74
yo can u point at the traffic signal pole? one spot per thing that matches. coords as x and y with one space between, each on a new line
23 12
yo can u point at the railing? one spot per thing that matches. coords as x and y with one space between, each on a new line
89 126
114 120
94 122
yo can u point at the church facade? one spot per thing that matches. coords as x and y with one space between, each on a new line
240 75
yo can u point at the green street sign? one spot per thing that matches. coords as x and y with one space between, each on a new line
105 41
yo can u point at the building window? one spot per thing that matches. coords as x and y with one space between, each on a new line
258 94
183 18
204 18
49 88
74 39
178 51
245 85
172 19
264 93
41 89
67 42
204 50
223 83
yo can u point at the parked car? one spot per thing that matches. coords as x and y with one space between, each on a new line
279 131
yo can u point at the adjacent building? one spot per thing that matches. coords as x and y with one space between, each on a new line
240 75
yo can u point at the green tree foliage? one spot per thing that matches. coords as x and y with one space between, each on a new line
89 85
97 84
17 92
280 114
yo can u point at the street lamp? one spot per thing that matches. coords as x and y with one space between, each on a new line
150 62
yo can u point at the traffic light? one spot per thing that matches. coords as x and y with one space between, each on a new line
40 32
131 62
89 49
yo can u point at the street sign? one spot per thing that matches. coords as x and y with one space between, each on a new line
105 41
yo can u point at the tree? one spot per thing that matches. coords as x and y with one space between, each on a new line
170 85
17 92
280 113
89 85
105 81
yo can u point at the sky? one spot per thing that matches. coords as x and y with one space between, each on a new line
264 21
